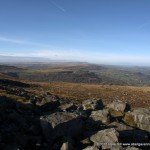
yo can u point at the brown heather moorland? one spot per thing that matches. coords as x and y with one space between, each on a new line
77 92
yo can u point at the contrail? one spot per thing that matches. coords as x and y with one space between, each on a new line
57 6
22 42
144 25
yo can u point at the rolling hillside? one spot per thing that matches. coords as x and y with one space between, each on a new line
79 73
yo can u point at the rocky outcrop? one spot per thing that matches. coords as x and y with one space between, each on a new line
62 125
105 139
139 118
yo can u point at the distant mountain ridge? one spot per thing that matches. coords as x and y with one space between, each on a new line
78 73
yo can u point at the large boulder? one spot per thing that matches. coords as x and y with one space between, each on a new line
117 105
128 134
97 120
116 108
62 124
139 118
105 139
100 115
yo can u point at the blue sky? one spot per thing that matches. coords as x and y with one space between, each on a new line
98 31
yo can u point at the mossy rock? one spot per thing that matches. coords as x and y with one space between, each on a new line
88 106
129 119
115 113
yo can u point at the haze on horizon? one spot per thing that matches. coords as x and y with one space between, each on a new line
97 31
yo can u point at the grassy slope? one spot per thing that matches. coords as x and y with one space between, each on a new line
136 96
77 92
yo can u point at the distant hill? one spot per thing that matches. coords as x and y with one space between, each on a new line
5 68
3 76
7 71
78 73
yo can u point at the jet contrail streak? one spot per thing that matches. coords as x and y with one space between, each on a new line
57 6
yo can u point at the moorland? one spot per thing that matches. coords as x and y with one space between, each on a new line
41 103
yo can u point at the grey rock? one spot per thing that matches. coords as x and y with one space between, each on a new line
100 115
139 118
116 108
63 124
97 120
117 105
105 138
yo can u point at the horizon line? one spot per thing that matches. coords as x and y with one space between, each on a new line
50 60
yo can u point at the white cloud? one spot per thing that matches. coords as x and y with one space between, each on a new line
74 55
